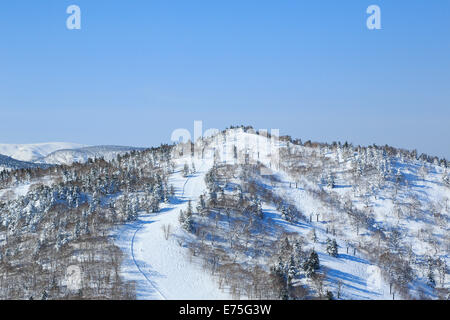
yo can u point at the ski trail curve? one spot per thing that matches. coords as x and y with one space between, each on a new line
139 268
132 247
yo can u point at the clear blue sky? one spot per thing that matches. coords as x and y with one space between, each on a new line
139 69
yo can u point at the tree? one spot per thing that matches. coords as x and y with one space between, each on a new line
330 295
189 208
181 217
332 247
188 222
330 181
399 176
154 205
446 179
185 170
313 235
312 264
292 270
430 275
423 171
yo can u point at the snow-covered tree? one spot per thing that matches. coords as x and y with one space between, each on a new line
332 247
312 264
185 170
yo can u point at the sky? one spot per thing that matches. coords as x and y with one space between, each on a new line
137 70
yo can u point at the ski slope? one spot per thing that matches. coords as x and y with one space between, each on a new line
162 268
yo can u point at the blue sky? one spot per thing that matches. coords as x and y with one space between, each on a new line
139 69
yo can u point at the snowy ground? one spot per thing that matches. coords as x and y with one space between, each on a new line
162 268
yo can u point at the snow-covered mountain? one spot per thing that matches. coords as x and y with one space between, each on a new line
233 216
376 218
8 163
32 152
81 155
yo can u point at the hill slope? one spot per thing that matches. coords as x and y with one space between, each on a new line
32 152
236 215
386 213
8 163
81 155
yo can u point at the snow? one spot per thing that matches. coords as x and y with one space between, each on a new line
32 152
160 267
82 155
163 268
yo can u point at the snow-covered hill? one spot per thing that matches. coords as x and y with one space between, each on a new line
81 155
390 225
8 163
32 152
236 215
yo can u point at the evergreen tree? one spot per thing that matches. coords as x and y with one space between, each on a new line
332 247
330 295
185 170
292 270
330 181
189 208
312 264
430 276
181 217
188 223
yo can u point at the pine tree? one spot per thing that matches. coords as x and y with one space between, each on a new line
189 208
292 269
398 176
312 264
330 181
202 202
430 276
188 223
330 295
154 204
181 217
446 179
313 235
185 170
285 246
332 247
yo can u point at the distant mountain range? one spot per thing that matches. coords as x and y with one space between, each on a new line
69 156
18 156
12 164
33 152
